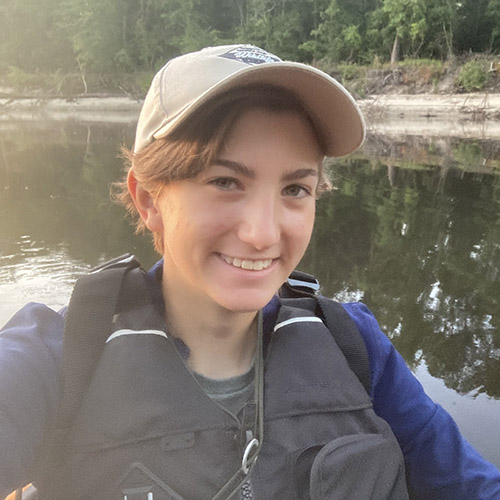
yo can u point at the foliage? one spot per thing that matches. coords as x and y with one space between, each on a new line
435 64
33 81
493 14
422 71
108 37
351 71
473 75
474 26
353 77
31 38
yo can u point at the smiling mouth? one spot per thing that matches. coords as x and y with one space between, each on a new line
250 265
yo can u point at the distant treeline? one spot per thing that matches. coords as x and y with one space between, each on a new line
109 36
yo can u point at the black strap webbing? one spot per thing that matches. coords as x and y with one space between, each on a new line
88 324
348 338
302 288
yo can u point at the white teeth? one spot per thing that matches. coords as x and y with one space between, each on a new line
251 265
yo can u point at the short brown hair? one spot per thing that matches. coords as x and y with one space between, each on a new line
195 144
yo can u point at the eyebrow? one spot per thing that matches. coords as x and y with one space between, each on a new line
300 173
240 168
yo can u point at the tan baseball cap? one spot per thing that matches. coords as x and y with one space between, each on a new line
188 81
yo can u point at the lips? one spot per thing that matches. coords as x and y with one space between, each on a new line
250 265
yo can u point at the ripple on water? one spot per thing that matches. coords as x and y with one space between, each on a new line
36 274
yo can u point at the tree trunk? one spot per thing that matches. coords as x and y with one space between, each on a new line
81 67
395 51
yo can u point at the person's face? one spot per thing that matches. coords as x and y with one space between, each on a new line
233 234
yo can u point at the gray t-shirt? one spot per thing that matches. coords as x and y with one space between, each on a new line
231 393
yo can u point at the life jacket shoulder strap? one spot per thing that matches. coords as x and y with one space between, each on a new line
301 290
88 323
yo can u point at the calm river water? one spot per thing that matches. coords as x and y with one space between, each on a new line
413 230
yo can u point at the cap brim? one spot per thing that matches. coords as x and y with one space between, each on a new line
337 117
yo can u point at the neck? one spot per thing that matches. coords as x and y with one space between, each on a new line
221 342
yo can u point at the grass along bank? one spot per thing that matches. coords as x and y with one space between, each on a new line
474 73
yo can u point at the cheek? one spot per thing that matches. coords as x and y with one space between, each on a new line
300 227
310 217
195 230
307 232
217 224
216 218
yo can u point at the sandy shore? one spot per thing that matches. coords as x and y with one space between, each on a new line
85 109
474 106
460 115
456 115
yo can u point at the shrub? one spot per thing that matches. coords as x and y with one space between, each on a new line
473 75
351 71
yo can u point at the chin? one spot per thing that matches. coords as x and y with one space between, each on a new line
246 304
244 308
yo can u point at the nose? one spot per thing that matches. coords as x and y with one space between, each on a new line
260 223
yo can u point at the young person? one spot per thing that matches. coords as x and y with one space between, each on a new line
210 385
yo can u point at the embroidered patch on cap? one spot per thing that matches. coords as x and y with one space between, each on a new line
251 55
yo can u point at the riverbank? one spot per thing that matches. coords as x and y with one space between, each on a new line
90 109
453 115
473 106
475 115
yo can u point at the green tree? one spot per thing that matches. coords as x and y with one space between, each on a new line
341 34
421 28
474 26
493 14
281 26
407 21
99 32
31 37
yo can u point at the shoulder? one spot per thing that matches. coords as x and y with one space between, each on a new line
35 331
368 326
30 352
30 356
379 347
440 462
395 390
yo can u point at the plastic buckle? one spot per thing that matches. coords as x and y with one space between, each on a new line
127 260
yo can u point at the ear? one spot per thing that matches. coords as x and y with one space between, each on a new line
146 205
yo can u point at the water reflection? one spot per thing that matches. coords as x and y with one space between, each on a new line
57 220
423 252
418 152
413 229
54 187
